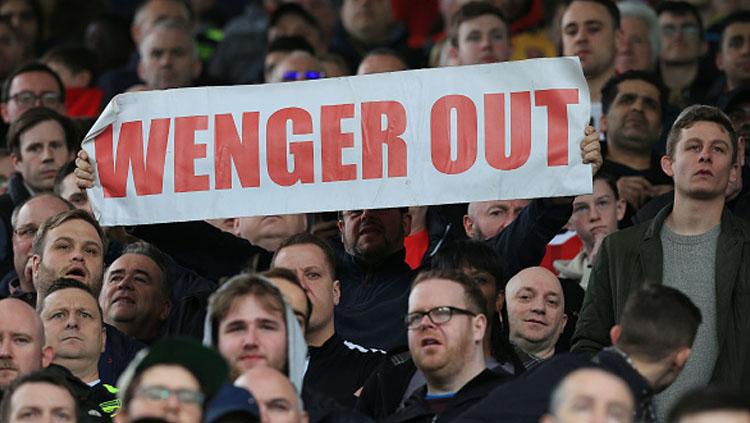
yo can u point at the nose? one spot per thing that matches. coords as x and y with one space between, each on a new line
47 154
125 283
594 212
5 350
72 321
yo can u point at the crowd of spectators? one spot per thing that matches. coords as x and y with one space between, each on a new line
414 314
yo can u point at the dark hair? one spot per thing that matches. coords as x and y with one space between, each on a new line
289 44
27 68
656 321
680 8
236 287
48 376
76 58
304 238
293 9
386 51
712 398
700 113
471 11
37 246
611 88
159 258
32 118
740 16
610 5
289 275
472 294
610 180
67 283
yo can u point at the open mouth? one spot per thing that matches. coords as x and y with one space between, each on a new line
429 342
76 273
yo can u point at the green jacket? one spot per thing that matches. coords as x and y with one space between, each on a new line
633 256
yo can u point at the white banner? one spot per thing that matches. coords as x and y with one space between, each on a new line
431 136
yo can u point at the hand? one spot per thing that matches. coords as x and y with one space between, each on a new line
591 152
636 190
84 171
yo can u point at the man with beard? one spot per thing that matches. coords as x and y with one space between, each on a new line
632 103
446 324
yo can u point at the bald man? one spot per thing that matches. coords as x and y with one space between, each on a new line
276 397
591 395
22 347
536 314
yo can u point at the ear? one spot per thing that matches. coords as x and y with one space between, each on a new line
614 333
621 206
165 310
48 354
564 322
500 301
681 357
82 79
603 123
666 165
4 112
16 161
236 227
453 53
479 327
406 223
340 224
719 61
468 225
36 260
336 292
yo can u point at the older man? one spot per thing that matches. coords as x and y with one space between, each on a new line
276 397
169 57
22 344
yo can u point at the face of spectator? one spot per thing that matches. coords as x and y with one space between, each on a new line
724 416
309 263
634 48
366 20
11 51
596 215
132 291
275 395
43 151
253 334
30 218
536 310
168 59
442 350
153 12
379 63
76 196
373 234
261 230
702 161
291 25
42 402
734 56
488 285
73 325
21 16
21 341
592 396
680 38
162 378
483 39
297 66
589 33
633 121
71 250
486 219
39 83
294 296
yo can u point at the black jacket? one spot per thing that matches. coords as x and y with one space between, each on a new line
385 389
119 351
323 409
417 408
16 194
338 368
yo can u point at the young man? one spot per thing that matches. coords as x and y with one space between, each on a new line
694 245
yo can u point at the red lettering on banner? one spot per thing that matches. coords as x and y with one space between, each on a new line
557 122
301 151
520 130
229 148
185 153
332 141
440 133
147 175
374 136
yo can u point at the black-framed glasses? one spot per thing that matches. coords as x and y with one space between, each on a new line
437 315
162 393
308 74
29 98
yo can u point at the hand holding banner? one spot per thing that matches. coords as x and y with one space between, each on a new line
433 136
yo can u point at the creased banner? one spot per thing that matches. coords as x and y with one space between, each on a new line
432 136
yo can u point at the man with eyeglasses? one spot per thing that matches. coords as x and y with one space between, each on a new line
446 325
31 85
172 381
682 47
